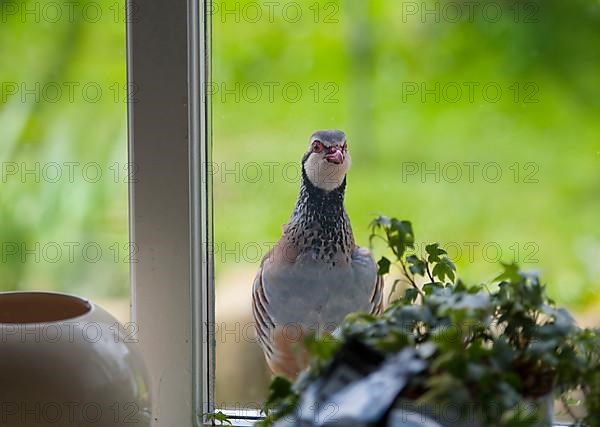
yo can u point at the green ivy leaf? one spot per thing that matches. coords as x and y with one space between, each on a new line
434 251
431 288
444 268
324 348
511 273
410 295
384 266
219 417
400 237
279 389
381 221
416 265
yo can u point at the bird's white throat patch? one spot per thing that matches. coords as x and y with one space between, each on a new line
325 175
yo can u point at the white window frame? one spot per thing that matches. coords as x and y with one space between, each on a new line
172 298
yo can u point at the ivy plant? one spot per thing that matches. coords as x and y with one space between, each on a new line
488 347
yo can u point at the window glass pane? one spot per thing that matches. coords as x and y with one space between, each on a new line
63 196
478 125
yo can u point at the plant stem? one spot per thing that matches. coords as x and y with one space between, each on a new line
570 413
429 272
410 279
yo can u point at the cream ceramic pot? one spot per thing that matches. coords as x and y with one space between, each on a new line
66 362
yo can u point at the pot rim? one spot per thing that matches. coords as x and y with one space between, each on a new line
89 306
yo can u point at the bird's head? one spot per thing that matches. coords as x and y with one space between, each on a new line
327 160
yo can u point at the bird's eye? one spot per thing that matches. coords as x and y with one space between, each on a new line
317 146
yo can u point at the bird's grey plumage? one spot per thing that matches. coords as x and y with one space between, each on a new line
316 274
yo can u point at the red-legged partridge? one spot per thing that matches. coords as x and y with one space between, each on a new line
316 274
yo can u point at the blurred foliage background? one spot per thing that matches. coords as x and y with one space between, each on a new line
63 205
395 75
357 64
375 54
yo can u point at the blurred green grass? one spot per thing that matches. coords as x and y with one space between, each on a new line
368 55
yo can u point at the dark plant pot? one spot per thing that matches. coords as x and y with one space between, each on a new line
406 413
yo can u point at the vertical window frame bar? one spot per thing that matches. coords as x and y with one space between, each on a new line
170 205
203 283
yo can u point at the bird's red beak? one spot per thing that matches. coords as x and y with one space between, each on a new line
335 155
